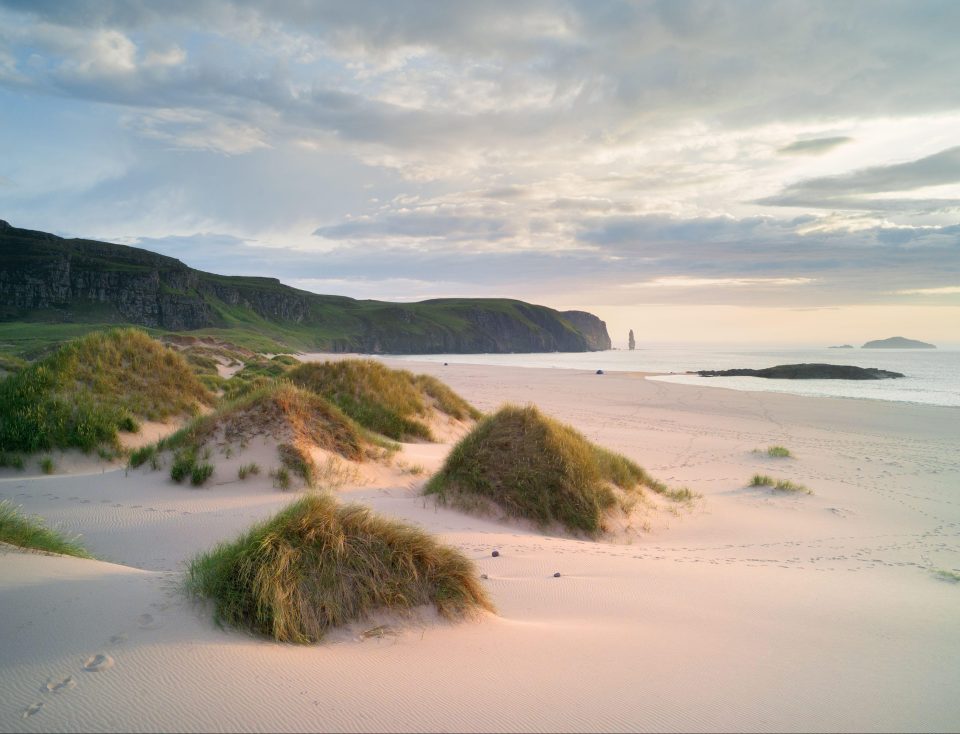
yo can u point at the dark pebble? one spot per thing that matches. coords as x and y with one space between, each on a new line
599 372
556 575
484 576
495 554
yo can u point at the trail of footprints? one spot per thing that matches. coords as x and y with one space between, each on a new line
98 662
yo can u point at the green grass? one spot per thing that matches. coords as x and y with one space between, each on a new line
945 575
93 387
778 452
394 403
28 532
184 462
531 466
200 473
298 461
248 470
142 455
14 461
281 478
783 485
316 566
47 465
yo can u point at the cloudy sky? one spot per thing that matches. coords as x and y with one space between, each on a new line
739 171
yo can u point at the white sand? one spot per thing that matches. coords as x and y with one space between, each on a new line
756 611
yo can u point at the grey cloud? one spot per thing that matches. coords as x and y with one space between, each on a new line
847 191
815 146
419 225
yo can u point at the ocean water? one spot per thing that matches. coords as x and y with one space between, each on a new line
932 375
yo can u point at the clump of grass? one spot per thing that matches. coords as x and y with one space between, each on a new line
200 473
778 452
299 461
248 470
281 478
316 565
944 575
142 455
47 465
28 532
390 402
184 462
783 485
533 467
14 461
93 387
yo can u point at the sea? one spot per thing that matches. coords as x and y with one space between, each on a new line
932 375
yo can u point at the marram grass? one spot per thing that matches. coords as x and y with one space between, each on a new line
533 467
391 402
783 485
317 565
93 387
29 532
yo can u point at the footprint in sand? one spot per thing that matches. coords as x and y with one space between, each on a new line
33 708
98 663
118 639
67 684
147 621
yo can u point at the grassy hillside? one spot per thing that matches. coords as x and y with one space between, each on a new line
68 286
91 388
394 403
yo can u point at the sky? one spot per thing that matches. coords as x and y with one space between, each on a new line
724 172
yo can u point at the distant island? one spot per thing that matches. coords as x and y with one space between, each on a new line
897 342
807 371
842 346
50 282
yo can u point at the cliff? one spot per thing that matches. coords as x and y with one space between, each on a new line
46 278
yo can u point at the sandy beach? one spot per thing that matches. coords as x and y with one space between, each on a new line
752 610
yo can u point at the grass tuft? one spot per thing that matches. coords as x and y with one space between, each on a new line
281 478
142 455
783 485
248 470
944 575
29 532
201 473
533 467
47 465
316 565
778 452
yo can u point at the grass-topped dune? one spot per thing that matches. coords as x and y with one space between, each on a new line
527 465
295 420
93 387
30 532
317 565
394 403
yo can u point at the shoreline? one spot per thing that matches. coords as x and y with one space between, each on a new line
753 610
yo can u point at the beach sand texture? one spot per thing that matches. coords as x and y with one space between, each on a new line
751 611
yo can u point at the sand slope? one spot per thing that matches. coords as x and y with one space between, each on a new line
755 611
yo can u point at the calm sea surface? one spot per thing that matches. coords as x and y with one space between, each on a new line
932 375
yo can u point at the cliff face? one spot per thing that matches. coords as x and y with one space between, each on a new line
44 277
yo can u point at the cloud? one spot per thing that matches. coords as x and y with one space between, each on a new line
852 190
945 290
815 146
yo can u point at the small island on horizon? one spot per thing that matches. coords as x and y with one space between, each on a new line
897 342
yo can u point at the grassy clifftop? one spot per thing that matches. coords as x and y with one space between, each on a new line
61 283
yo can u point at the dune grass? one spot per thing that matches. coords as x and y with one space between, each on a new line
316 565
281 410
778 452
533 467
783 485
944 575
93 387
390 402
29 532
248 470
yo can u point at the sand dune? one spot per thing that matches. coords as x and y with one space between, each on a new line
756 610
